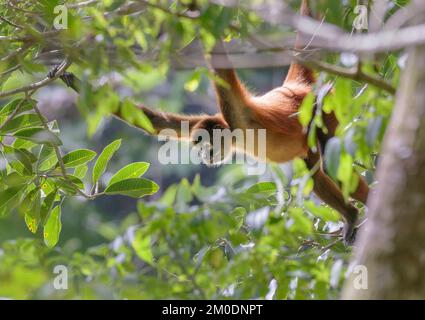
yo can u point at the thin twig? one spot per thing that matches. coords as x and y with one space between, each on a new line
65 64
10 22
18 51
179 261
37 85
59 156
42 35
330 245
11 5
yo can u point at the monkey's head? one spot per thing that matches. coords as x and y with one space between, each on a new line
208 135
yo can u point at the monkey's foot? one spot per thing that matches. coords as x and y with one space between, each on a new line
349 233
68 78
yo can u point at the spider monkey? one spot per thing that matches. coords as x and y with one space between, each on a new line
274 111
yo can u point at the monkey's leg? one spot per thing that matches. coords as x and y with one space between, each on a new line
362 191
331 123
327 190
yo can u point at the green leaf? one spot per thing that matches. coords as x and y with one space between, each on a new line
184 194
193 82
104 158
133 170
142 246
9 199
306 110
80 171
47 206
22 121
266 188
350 145
47 158
345 174
135 116
38 135
169 196
239 215
32 214
53 227
301 224
65 185
19 160
78 157
134 187
16 80
322 212
332 156
12 105
373 130
48 186
23 144
14 179
342 100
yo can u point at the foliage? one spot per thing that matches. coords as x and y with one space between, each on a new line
239 238
237 242
35 178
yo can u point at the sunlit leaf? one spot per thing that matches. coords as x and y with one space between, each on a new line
53 227
265 188
47 158
32 215
8 199
25 105
322 212
106 155
133 187
46 207
306 110
78 157
20 122
80 171
133 170
38 135
142 246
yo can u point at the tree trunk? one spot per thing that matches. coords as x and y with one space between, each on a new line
392 243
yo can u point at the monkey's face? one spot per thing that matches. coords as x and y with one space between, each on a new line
209 136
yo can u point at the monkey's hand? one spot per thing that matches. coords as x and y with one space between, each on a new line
53 71
68 78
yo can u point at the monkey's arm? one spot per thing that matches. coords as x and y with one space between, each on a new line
327 190
160 120
232 96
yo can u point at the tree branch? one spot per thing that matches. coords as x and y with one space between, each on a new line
59 156
352 73
10 22
41 35
81 4
37 85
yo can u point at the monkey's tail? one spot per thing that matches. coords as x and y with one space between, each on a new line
298 72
